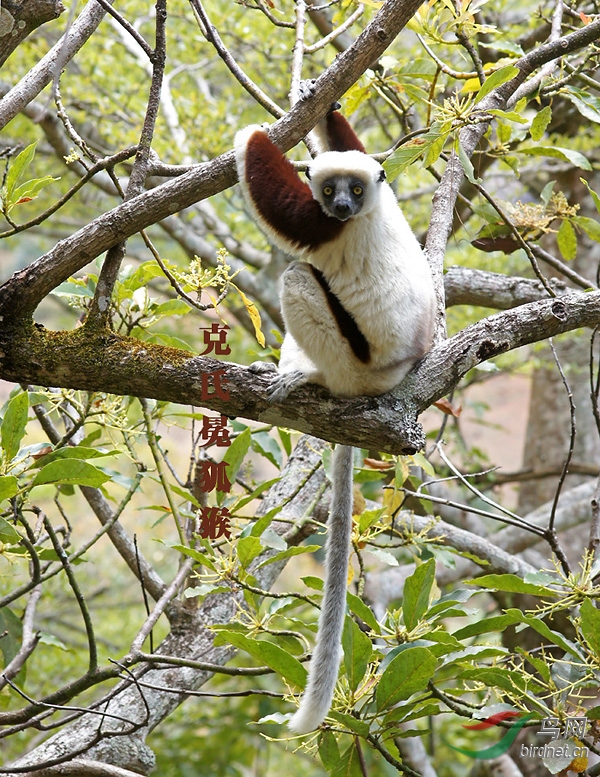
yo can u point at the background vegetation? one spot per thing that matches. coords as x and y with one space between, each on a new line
129 642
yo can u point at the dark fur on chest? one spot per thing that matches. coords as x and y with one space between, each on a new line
346 323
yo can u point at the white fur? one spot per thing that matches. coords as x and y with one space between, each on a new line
380 275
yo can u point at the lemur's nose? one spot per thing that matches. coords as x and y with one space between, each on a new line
342 209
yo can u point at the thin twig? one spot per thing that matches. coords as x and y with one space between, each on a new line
235 671
529 87
85 613
29 639
100 308
594 542
162 476
562 267
212 36
320 44
161 605
129 28
101 164
144 592
298 52
456 74
516 520
552 539
475 58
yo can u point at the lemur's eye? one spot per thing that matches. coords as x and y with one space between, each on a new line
328 191
357 190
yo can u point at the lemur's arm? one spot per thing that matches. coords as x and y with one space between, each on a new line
335 133
282 204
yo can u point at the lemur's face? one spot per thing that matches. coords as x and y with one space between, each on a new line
342 196
345 183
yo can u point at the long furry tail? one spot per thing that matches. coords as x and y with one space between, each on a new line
325 662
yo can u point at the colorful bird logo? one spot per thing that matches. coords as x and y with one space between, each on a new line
503 745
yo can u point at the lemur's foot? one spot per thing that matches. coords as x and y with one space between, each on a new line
281 385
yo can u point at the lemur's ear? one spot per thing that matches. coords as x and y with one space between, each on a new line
381 176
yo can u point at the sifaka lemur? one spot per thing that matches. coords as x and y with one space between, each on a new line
358 312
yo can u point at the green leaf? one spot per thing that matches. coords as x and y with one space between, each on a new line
567 241
8 535
12 194
328 749
248 548
134 279
73 471
349 763
546 193
590 625
507 680
357 652
512 584
267 446
467 165
540 122
11 629
590 226
13 424
488 625
236 452
404 157
72 452
200 592
256 529
558 152
267 653
8 487
407 673
362 611
174 307
243 501
197 555
417 591
30 189
18 166
512 617
73 289
588 106
358 726
289 552
498 78
509 116
593 194
541 666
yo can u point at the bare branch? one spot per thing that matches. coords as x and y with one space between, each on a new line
80 766
52 63
29 639
211 35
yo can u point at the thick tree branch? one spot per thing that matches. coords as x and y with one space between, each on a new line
465 286
446 364
121 365
19 18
